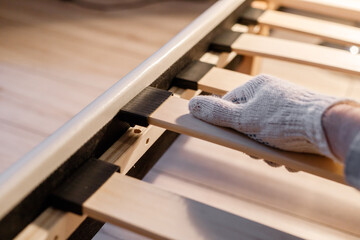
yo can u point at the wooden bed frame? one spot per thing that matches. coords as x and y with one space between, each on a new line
100 137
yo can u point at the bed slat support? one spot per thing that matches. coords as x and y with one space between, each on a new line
326 30
98 191
191 74
293 51
149 99
82 184
346 9
173 114
222 42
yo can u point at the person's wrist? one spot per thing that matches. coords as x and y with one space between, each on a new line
341 123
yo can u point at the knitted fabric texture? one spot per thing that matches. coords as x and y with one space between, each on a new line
271 111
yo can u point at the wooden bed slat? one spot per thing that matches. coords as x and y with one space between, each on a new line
156 213
346 9
330 31
219 81
174 115
232 174
51 224
98 191
304 53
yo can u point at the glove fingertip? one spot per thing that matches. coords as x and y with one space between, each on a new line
196 105
213 110
201 107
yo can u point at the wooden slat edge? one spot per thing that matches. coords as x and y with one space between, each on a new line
51 224
156 213
174 115
303 53
252 195
330 31
346 9
219 81
125 153
55 223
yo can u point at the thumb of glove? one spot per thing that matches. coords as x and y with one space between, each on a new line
214 110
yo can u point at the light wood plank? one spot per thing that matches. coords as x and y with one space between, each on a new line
219 81
174 115
313 55
56 224
51 224
255 211
315 79
287 222
153 212
347 9
126 151
252 182
219 59
329 31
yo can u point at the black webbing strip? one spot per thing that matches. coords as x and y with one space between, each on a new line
251 16
223 41
71 195
191 74
143 105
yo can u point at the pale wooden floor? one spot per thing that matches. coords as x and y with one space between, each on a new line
55 58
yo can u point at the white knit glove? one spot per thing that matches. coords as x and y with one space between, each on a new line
271 111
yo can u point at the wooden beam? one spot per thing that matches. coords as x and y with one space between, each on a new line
219 81
346 9
174 115
98 191
304 53
51 224
56 224
156 107
235 175
326 30
156 213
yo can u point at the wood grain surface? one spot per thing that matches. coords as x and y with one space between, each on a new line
219 81
232 181
298 52
159 214
326 30
174 115
344 9
56 57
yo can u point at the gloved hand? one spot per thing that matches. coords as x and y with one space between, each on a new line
271 111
